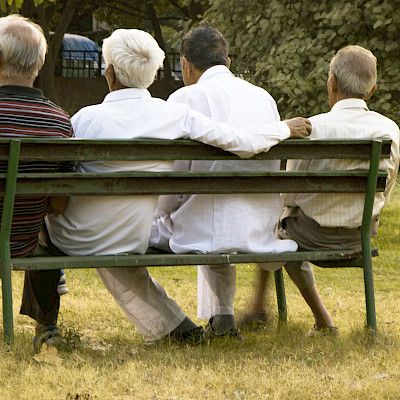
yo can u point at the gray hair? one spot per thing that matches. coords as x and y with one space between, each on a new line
355 71
23 47
135 56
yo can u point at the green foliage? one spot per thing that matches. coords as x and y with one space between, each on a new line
16 5
285 46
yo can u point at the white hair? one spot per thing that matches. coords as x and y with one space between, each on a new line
135 56
23 47
355 70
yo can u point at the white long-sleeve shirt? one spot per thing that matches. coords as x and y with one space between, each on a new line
121 224
222 223
348 119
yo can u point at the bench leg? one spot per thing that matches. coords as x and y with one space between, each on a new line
6 289
369 295
280 295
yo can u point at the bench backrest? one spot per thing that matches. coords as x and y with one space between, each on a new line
14 151
55 150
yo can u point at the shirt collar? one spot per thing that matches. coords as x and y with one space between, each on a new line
350 103
217 69
127 94
21 91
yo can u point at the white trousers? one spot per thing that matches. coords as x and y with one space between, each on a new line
216 288
143 300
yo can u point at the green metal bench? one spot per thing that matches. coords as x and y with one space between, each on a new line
14 151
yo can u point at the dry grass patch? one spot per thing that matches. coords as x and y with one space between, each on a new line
104 358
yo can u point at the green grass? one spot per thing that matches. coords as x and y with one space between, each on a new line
104 358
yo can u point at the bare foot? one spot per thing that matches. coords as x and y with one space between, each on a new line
254 320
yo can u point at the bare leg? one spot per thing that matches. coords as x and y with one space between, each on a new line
260 297
302 276
258 307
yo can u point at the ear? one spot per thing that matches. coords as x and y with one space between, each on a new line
110 76
332 83
185 64
187 71
372 92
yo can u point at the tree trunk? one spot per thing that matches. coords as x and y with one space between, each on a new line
151 11
47 81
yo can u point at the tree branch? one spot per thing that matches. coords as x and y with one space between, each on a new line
62 26
151 11
129 6
184 10
113 7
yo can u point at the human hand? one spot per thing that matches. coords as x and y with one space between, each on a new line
299 127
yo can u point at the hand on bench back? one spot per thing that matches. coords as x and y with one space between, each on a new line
299 127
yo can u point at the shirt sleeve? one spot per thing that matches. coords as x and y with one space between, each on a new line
245 141
392 164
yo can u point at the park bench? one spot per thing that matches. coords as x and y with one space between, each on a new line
14 151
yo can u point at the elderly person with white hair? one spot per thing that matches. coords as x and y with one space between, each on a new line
322 221
25 112
122 224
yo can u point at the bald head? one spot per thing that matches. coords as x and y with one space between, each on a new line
354 69
22 48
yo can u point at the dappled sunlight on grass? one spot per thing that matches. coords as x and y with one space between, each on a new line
104 358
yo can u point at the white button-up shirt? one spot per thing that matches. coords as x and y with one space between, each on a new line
348 119
121 224
224 223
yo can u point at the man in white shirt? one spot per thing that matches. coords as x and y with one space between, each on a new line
316 220
121 224
219 223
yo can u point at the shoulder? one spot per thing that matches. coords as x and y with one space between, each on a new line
384 121
187 93
87 113
51 107
250 86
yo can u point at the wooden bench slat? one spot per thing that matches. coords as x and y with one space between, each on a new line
91 150
188 185
174 259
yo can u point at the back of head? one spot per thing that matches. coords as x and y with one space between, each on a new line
205 47
22 48
135 56
354 68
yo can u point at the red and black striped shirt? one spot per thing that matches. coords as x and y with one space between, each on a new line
25 112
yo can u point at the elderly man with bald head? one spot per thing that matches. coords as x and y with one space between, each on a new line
326 221
25 112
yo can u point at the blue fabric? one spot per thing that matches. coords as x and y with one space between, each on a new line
76 47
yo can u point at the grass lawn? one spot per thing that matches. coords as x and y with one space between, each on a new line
104 358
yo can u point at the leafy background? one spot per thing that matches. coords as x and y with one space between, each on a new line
285 47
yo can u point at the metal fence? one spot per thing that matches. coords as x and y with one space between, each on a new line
90 64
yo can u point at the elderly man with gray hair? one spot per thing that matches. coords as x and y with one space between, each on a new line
122 224
324 221
25 112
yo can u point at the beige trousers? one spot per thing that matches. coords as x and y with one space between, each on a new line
143 300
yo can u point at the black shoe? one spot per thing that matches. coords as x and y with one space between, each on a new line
193 337
45 334
211 332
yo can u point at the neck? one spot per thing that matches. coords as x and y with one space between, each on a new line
340 96
16 81
196 75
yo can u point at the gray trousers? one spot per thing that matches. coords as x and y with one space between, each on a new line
143 300
309 235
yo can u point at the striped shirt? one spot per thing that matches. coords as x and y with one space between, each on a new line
25 112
